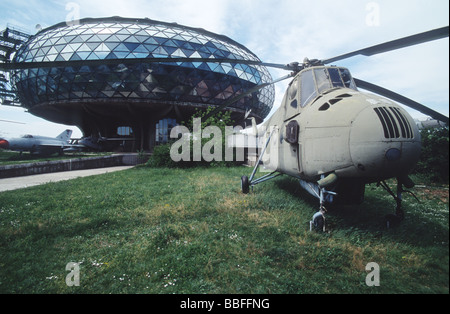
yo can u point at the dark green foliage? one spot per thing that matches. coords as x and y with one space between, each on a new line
434 158
161 157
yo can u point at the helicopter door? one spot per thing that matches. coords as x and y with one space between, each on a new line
289 146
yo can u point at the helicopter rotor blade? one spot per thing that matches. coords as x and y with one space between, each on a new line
248 92
294 66
12 121
401 99
395 44
79 63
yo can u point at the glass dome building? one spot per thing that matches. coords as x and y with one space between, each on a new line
106 96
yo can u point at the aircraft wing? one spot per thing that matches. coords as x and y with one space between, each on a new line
54 145
63 146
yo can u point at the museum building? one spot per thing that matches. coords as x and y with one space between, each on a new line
127 89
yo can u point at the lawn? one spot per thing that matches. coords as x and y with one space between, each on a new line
156 230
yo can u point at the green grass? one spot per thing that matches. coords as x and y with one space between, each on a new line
150 230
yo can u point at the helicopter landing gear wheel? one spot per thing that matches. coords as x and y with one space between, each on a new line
245 186
318 220
393 220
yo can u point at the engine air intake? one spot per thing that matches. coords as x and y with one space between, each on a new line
394 122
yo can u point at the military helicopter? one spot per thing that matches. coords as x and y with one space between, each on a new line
336 139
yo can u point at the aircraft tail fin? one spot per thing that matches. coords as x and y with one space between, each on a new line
65 136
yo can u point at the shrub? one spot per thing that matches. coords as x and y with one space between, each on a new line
433 161
161 157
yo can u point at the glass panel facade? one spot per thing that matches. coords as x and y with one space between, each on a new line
116 38
163 128
124 131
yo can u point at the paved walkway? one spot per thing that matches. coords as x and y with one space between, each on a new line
27 181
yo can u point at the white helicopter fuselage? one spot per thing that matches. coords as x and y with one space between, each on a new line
343 131
336 139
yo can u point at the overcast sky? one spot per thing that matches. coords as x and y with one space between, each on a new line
277 31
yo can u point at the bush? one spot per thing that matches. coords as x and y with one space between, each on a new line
433 161
161 157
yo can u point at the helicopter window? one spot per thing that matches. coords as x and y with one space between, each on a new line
335 77
293 89
308 88
322 79
294 103
347 78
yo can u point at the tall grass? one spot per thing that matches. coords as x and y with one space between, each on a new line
156 230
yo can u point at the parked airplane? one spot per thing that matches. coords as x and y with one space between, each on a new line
40 145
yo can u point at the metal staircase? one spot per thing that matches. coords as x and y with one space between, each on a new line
11 39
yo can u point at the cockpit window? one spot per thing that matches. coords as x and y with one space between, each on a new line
321 79
335 77
347 78
27 136
308 88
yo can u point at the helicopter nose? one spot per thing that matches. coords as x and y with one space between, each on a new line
4 143
384 142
